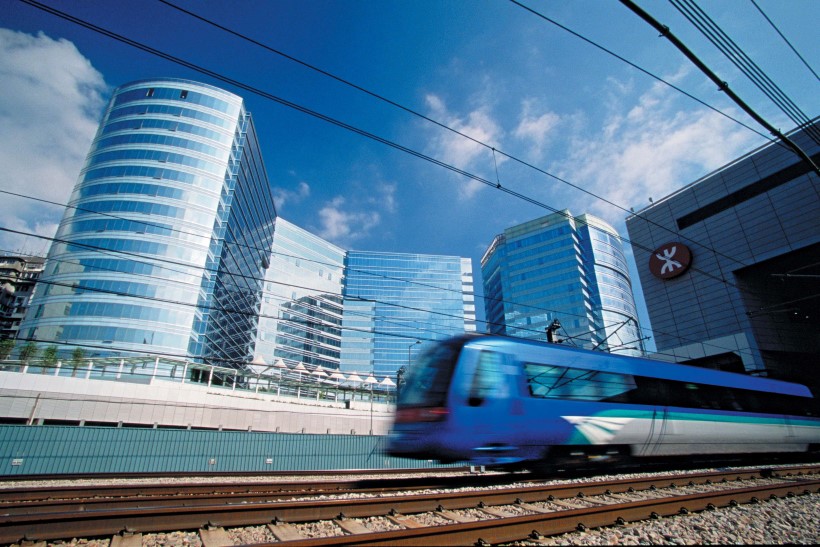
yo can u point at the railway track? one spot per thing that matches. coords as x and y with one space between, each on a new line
347 513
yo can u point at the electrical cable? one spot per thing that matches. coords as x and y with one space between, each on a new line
785 39
741 60
352 128
497 185
722 85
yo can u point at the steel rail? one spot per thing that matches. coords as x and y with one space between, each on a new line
91 493
508 529
44 525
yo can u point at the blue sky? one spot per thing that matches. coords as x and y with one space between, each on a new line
489 69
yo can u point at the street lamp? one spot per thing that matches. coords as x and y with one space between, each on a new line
408 351
404 370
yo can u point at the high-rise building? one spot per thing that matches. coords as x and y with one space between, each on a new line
729 264
395 301
564 277
18 280
166 238
301 319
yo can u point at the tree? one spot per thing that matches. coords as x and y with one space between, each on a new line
77 356
28 351
6 347
50 355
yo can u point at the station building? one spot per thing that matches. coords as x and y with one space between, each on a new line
730 264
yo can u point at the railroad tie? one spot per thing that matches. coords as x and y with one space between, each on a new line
285 532
215 537
352 526
533 508
494 512
126 539
403 520
453 516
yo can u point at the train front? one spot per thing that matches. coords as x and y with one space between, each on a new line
422 423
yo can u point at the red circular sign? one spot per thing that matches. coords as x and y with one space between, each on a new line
670 260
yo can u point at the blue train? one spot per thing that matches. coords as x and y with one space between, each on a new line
498 401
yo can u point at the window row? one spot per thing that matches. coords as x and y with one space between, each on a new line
171 110
161 140
168 125
157 155
138 247
168 93
213 184
559 382
146 208
122 334
118 225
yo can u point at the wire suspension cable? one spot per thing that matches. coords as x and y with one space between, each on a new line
785 40
722 86
744 63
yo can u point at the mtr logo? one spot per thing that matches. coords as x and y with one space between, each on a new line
670 260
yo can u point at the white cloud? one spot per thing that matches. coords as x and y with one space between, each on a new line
462 152
535 127
52 101
649 149
343 226
344 221
281 196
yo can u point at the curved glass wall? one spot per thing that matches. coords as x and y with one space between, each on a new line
561 268
164 243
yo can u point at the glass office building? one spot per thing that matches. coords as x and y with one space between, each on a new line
566 269
166 238
395 302
301 319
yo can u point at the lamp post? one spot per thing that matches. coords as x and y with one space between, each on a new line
404 370
410 347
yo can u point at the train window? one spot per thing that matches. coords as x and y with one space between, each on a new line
428 379
555 382
487 380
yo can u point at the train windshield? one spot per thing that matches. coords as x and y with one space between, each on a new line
429 377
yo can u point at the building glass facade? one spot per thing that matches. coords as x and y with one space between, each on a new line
18 282
396 302
749 300
564 268
166 238
301 319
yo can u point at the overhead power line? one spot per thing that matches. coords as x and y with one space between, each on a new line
722 85
494 184
745 64
785 40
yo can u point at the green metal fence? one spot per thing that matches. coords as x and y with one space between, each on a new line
35 450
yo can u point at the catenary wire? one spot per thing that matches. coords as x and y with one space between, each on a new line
368 135
472 139
115 252
785 40
349 127
744 63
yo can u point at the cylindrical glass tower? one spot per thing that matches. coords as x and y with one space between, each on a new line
165 240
